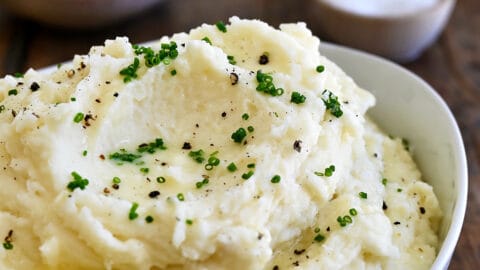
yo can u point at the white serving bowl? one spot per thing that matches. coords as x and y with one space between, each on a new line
401 37
78 13
408 107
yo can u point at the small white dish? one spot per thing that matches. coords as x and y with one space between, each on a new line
408 107
401 36
78 13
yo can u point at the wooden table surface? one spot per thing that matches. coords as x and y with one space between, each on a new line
451 66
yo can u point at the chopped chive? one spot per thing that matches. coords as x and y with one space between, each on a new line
399 190
198 155
130 72
247 175
265 84
276 179
232 167
173 72
123 155
78 117
161 179
189 222
152 146
297 98
132 214
144 170
250 129
73 99
384 181
344 221
221 26
84 153
319 238
245 116
327 172
353 211
320 68
12 92
231 59
331 103
116 180
206 39
18 75
7 245
363 195
78 182
251 165
239 135
180 197
202 183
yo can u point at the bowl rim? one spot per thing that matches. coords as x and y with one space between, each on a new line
450 241
439 4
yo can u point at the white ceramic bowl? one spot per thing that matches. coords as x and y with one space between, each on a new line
78 13
408 107
401 37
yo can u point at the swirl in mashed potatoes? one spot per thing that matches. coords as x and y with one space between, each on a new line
235 146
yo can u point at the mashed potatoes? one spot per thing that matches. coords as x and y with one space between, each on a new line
236 147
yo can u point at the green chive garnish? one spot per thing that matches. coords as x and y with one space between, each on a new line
78 117
132 214
276 179
221 26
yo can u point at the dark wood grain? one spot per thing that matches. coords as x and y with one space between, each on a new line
451 66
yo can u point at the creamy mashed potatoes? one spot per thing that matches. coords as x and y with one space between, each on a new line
177 161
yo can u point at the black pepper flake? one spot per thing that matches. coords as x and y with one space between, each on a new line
82 65
297 146
328 228
87 118
115 186
375 155
260 236
163 164
106 190
98 100
186 146
102 157
298 251
154 194
422 210
276 267
384 206
233 78
34 86
296 263
396 223
14 113
115 94
224 114
197 125
107 82
263 60
8 238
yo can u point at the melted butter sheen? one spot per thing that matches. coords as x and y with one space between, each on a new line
197 216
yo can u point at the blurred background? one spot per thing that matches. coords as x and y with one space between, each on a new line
444 50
